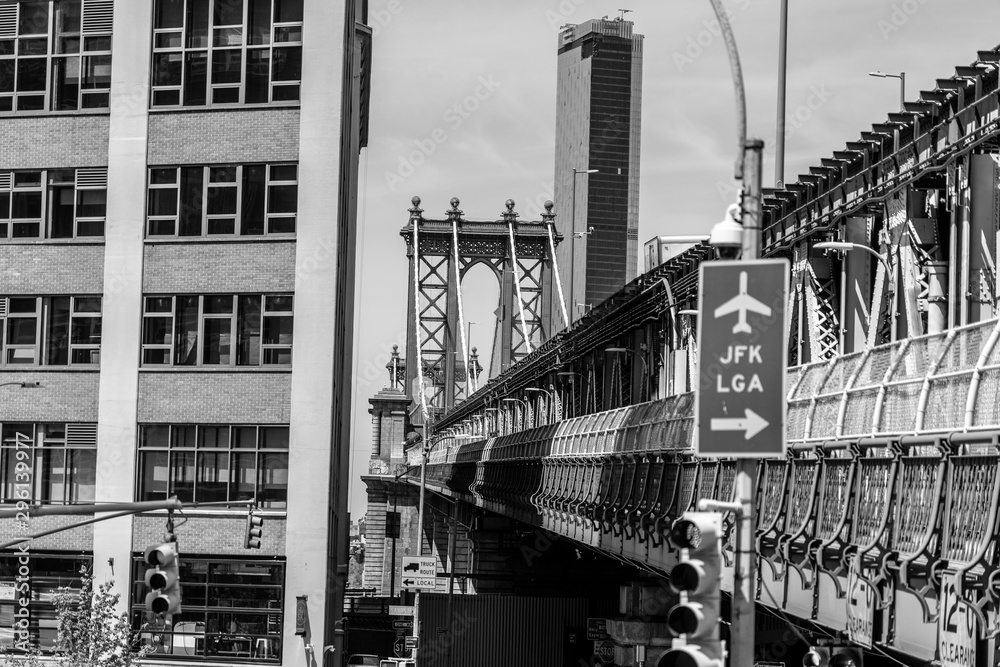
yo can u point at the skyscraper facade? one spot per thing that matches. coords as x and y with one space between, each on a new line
596 184
177 229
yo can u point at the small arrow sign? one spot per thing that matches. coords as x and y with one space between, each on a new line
752 423
408 582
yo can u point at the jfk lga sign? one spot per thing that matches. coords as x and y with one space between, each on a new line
740 400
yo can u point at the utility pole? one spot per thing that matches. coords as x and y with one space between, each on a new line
744 598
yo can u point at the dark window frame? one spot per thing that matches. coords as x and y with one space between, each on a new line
56 342
31 454
89 204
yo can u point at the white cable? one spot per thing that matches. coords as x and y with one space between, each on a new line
461 320
416 306
555 269
517 285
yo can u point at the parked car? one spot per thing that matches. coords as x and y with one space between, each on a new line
365 659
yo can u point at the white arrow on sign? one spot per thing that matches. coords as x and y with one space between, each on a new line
752 423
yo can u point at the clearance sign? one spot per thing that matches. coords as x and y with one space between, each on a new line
957 626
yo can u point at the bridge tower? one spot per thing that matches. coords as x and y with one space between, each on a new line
441 252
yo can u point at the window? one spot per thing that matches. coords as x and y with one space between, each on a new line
208 52
50 573
232 610
214 463
48 463
224 200
217 330
55 55
53 204
50 330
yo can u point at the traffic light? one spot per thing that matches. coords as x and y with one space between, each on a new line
697 577
162 578
255 530
817 656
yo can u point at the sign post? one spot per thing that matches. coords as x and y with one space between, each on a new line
740 395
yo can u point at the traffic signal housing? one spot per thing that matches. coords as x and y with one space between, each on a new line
255 530
697 578
163 579
833 656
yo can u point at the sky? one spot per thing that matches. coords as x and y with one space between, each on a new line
463 105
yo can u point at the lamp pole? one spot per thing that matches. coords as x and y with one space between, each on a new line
470 373
550 397
572 240
902 84
779 139
520 403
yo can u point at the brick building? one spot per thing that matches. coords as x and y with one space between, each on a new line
177 226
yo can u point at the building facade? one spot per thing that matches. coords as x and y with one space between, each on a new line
599 91
177 198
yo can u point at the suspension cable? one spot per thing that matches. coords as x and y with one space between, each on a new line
470 383
555 269
517 285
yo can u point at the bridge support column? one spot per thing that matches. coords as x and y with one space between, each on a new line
857 287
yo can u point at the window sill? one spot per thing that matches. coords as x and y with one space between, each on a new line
60 114
26 368
166 240
90 240
225 107
215 369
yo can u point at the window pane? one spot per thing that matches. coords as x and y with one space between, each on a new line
283 172
253 199
288 34
281 225
222 201
213 476
245 437
169 14
187 331
223 226
30 74
21 330
65 84
62 212
182 472
192 196
96 72
228 12
288 64
154 435
197 23
225 95
154 471
248 353
27 205
34 19
244 478
99 43
156 331
258 76
7 75
273 480
68 16
163 201
167 69
91 203
22 305
217 339
219 304
287 10
87 304
274 437
279 303
58 347
278 330
86 331
282 198
4 205
82 466
196 73
159 304
227 66
222 175
260 22
287 93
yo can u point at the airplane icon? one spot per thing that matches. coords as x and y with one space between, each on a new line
741 303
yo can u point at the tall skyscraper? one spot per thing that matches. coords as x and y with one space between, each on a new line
599 90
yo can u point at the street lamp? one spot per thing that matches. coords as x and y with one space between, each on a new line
572 237
470 373
902 84
572 382
23 385
844 246
645 366
519 402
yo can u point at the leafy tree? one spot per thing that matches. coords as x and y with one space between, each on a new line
92 633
